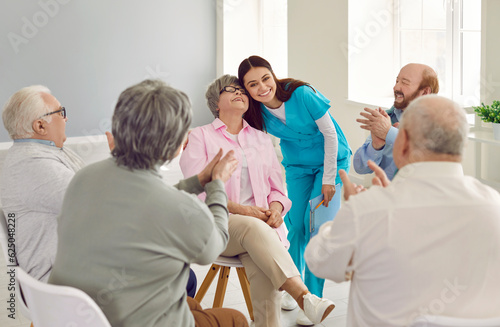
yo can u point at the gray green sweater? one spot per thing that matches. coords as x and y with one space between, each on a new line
126 238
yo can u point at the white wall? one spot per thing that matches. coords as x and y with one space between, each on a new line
88 51
317 33
490 76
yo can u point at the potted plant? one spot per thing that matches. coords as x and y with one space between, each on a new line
490 114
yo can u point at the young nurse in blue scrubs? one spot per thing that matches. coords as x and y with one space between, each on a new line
312 144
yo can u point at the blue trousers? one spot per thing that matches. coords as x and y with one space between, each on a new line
304 184
191 285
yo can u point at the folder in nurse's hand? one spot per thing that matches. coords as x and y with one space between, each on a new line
321 214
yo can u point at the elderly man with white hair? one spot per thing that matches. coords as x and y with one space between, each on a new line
35 175
426 244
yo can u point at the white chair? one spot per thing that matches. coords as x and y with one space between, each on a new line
59 306
225 263
9 253
442 321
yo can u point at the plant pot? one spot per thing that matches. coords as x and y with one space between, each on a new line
496 131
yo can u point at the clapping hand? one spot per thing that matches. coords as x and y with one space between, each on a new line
350 188
219 168
380 178
378 122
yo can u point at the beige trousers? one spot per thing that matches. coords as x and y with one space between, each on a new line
267 264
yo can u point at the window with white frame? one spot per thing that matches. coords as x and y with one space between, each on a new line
384 35
446 35
257 27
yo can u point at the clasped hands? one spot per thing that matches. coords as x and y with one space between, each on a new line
271 216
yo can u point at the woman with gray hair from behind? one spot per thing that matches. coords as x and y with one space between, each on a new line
126 238
257 203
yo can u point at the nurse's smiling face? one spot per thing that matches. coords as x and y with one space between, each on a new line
261 86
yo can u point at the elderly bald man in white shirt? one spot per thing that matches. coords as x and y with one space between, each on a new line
427 243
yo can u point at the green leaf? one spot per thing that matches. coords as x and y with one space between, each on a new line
489 113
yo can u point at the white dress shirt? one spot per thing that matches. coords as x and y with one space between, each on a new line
429 243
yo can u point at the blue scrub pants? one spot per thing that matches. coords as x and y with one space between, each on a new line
304 184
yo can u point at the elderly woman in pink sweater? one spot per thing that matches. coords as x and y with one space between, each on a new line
256 202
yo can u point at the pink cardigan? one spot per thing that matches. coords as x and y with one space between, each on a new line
263 166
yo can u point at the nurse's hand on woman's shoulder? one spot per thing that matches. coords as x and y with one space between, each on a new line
111 141
186 141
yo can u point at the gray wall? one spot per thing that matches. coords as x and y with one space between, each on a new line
88 51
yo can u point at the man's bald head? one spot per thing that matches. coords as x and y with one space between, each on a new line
429 77
413 81
436 130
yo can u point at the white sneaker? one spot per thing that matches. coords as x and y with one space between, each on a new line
288 302
317 309
302 320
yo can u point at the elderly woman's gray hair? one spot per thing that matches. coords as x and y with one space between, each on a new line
150 123
213 91
436 124
23 108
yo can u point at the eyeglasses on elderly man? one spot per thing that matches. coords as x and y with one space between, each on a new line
62 111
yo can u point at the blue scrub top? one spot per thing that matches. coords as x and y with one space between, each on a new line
302 144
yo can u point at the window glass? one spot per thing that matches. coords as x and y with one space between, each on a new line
410 14
471 66
446 36
471 15
433 14
434 55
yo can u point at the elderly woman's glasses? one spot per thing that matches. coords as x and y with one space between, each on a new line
62 111
232 89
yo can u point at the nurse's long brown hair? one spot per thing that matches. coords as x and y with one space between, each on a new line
284 90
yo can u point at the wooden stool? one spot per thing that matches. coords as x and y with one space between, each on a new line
225 263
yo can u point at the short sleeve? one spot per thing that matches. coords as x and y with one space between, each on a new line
315 102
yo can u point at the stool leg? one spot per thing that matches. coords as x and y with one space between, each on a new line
221 286
206 282
245 287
